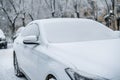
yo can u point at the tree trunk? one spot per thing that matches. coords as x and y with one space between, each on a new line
53 14
23 21
78 16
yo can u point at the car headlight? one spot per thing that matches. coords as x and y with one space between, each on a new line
75 76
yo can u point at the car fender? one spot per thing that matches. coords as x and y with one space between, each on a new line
57 70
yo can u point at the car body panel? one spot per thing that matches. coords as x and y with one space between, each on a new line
95 56
100 57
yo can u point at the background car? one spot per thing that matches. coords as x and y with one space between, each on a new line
3 42
67 49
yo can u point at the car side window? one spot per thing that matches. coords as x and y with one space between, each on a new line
31 30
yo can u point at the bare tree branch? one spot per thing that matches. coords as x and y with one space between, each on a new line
47 4
51 6
7 15
31 17
108 9
1 3
16 17
5 12
11 2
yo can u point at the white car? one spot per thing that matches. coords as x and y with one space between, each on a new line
3 41
67 49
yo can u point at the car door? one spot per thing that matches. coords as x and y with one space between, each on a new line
29 55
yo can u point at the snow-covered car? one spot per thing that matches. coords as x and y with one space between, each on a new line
67 49
3 42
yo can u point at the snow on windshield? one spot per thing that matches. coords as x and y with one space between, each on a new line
76 30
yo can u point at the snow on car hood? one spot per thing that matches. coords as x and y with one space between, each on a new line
101 58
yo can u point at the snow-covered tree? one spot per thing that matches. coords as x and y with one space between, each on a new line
18 13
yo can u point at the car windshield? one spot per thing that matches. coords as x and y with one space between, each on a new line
76 31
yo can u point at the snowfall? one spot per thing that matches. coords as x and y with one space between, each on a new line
6 65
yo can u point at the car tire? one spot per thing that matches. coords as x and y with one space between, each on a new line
50 77
17 71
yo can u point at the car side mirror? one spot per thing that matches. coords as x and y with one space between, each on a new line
30 40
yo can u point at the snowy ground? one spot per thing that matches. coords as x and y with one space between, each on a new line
6 65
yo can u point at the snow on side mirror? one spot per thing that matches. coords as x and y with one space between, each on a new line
30 40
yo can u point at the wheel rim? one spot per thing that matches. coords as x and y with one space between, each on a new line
52 79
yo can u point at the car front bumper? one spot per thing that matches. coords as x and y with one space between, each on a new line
3 43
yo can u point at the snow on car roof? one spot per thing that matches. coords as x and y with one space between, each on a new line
81 21
85 28
88 29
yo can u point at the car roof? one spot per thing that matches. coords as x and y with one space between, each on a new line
82 22
85 24
70 20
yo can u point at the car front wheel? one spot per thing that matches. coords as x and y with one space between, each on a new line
50 77
17 71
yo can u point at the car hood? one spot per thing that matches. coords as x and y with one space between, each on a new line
101 58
